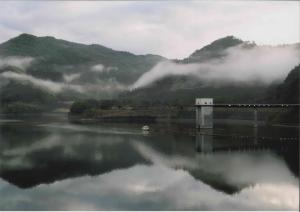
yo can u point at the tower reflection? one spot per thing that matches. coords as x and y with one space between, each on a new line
204 140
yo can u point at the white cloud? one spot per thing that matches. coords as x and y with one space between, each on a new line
101 68
20 62
172 29
98 68
49 85
108 87
70 77
258 64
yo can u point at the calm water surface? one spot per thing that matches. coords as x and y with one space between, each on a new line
47 163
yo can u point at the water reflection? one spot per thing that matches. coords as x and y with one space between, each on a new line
141 187
117 167
204 140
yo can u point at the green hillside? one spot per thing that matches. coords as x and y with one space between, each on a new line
102 73
54 57
287 92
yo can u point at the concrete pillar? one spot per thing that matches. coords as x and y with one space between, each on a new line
204 113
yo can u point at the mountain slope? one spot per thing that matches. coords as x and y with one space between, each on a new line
36 73
287 92
62 70
229 70
54 57
216 49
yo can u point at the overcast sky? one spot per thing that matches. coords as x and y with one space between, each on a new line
173 29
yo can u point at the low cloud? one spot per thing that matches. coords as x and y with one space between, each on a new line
100 88
51 86
70 77
20 62
98 68
263 64
101 68
106 85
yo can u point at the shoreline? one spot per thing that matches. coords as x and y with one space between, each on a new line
184 121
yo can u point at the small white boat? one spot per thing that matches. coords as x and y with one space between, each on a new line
145 128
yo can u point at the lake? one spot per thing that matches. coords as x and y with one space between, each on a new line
48 163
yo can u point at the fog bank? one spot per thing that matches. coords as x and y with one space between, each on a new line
102 69
20 62
263 64
108 88
51 86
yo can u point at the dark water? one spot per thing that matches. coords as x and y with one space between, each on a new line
47 163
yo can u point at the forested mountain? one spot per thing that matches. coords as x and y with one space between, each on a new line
183 90
221 65
52 58
216 49
37 72
287 92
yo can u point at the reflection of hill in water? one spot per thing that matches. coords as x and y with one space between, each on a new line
285 145
33 155
56 157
